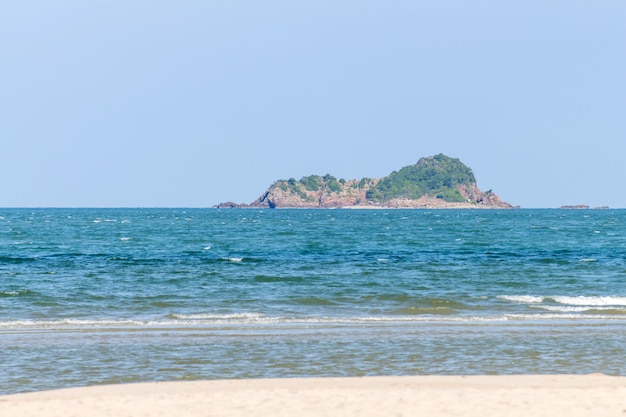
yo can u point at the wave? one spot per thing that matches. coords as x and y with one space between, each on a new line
581 309
226 321
568 300
16 293
591 301
408 311
69 323
233 259
272 278
522 298
231 316
16 259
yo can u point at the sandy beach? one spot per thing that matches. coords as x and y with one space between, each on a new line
523 395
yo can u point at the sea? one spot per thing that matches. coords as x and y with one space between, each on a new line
110 296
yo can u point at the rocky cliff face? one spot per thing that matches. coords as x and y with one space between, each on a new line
411 187
328 195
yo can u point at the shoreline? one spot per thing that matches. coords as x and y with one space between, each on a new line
482 395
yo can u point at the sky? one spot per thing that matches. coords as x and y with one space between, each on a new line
151 103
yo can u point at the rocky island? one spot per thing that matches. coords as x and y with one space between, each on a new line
434 182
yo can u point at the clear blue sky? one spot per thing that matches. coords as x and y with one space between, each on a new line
123 103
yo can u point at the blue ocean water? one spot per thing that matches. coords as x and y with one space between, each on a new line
101 296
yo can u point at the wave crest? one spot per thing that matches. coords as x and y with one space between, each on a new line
568 300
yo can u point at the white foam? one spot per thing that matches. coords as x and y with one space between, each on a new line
568 300
183 321
576 309
552 316
522 298
235 259
591 301
230 320
233 316
38 324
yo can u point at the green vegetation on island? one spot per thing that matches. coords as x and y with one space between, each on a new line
436 176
